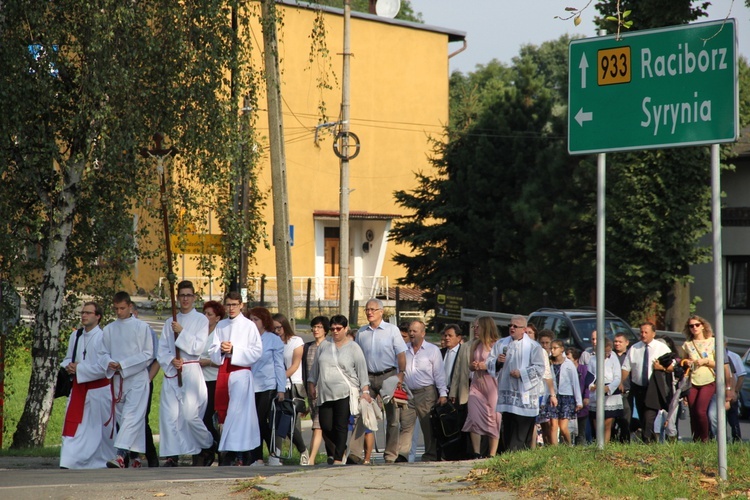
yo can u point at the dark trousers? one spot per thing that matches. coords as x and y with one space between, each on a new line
646 415
621 428
263 402
151 456
334 422
733 419
208 417
297 439
581 436
517 431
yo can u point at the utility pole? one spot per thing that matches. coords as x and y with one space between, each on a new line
281 238
343 136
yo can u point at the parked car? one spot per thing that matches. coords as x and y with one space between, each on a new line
745 389
574 326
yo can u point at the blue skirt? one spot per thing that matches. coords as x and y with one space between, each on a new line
565 409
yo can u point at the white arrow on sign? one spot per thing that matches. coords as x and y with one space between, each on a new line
582 116
583 66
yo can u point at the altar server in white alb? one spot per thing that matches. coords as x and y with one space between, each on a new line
87 441
181 427
236 346
126 352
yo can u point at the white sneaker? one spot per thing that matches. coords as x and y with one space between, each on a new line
304 459
257 463
274 461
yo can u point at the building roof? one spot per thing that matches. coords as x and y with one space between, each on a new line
453 34
354 214
406 294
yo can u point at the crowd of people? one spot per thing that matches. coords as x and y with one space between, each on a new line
226 371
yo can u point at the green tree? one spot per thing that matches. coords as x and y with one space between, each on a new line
647 14
498 184
86 84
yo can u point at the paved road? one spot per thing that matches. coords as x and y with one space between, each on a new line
195 482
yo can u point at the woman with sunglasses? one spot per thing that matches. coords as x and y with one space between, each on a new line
700 348
339 366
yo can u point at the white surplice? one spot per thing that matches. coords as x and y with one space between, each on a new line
92 444
128 342
181 409
241 431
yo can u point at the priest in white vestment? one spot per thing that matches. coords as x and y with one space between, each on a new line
87 441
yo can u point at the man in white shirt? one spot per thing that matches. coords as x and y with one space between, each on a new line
456 358
639 366
181 408
87 434
425 377
385 352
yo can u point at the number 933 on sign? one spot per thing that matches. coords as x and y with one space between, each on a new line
614 66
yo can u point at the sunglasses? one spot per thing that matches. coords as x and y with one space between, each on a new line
337 328
695 325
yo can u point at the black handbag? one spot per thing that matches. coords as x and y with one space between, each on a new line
64 382
445 420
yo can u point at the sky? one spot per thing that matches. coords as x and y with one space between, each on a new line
497 28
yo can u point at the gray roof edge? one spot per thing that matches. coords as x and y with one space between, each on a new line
453 34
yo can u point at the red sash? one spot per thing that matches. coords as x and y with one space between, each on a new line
221 396
74 415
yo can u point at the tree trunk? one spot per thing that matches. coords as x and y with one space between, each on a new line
32 427
678 306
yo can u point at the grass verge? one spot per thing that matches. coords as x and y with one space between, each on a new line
675 470
250 488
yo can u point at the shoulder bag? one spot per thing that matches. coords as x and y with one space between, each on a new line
353 391
64 382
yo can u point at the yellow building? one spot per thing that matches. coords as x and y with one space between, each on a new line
399 100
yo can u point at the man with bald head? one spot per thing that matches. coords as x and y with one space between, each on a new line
425 378
520 386
384 351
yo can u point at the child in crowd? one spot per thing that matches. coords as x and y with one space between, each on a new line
574 354
568 390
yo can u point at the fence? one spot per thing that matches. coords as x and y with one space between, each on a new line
323 290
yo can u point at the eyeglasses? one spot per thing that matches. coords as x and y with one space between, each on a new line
337 328
278 328
186 295
516 326
235 304
372 310
317 327
88 312
695 325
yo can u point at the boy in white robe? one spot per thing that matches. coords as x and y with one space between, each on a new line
181 409
87 437
126 352
236 346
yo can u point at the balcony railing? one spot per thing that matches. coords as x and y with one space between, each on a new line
321 290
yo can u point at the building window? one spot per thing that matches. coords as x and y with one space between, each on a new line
737 281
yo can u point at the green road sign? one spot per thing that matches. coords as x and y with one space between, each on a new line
658 88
